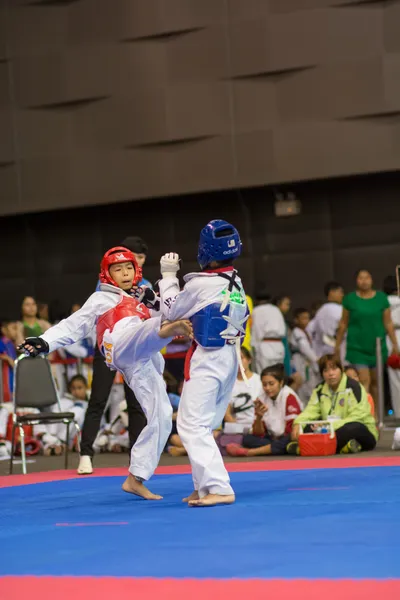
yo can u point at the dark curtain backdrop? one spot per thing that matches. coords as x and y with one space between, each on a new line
345 224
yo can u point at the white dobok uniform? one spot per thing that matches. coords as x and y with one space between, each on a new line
305 362
211 374
394 374
268 328
326 323
132 347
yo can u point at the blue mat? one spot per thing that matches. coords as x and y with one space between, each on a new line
331 523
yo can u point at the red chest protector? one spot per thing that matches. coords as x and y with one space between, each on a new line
126 307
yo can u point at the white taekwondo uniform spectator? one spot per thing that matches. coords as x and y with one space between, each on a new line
267 332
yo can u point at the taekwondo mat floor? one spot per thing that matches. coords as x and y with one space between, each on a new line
301 529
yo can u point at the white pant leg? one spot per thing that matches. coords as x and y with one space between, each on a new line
203 399
149 387
133 347
131 341
268 354
224 399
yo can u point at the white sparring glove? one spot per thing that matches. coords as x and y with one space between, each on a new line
169 264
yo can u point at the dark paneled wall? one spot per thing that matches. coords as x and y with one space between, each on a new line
110 100
345 224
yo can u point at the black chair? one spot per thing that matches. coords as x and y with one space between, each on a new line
34 387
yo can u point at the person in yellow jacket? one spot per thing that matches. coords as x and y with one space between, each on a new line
247 338
344 402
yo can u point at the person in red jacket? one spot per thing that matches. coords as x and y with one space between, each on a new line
275 411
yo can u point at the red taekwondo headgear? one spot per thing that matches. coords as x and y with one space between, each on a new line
116 256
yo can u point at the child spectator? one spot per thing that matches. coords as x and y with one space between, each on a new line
8 354
53 435
114 436
275 412
327 319
267 332
239 416
352 372
304 358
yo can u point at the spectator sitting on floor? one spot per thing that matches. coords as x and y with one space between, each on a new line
343 401
53 436
275 412
114 436
239 416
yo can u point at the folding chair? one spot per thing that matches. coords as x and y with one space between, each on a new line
34 387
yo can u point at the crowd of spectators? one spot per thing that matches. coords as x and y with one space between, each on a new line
301 364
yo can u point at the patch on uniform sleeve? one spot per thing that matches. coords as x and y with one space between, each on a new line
107 352
168 302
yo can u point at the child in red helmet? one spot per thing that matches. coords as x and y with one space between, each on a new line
130 341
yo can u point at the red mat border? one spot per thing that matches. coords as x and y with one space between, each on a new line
65 588
281 465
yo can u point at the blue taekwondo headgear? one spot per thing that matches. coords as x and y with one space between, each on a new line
219 240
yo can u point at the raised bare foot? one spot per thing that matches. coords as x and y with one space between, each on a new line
133 486
193 496
213 500
174 328
176 451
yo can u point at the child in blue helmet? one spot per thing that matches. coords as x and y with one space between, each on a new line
215 302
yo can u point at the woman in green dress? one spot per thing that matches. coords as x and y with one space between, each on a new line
366 317
33 326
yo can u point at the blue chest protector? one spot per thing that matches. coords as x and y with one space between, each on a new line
208 324
213 327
